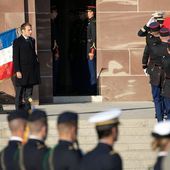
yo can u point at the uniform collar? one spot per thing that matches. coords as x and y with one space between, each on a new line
162 153
65 142
35 137
105 146
16 138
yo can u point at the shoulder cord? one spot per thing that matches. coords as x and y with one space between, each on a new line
2 160
51 156
21 158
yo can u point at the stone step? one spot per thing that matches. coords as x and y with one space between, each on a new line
77 99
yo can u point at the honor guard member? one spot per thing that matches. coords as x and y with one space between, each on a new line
166 84
33 153
164 50
91 48
161 142
156 17
26 67
152 65
65 155
17 122
103 156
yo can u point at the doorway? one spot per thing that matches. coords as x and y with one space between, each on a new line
70 67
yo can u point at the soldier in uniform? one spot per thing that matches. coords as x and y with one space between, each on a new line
161 142
64 155
166 85
103 156
26 67
17 123
163 51
91 48
152 65
33 153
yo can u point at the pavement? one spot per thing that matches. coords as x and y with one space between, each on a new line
130 110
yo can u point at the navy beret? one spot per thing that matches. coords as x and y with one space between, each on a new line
17 114
67 117
154 26
37 115
164 32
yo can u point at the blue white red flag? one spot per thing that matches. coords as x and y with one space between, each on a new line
6 60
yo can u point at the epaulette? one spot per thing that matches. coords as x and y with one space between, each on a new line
39 145
71 148
2 159
112 152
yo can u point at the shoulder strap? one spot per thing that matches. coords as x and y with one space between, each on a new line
2 160
50 159
21 158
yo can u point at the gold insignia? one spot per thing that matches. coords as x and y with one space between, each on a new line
70 148
39 145
112 152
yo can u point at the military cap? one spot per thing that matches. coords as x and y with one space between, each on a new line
37 115
164 32
91 8
17 114
67 117
106 118
154 27
161 130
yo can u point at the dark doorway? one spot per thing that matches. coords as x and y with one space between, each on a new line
70 67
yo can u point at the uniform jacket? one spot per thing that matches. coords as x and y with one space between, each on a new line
32 155
159 161
162 51
65 157
8 155
26 61
101 158
152 60
91 33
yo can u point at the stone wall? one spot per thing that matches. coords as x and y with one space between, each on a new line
120 49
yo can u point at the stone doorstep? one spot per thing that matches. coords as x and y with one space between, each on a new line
76 99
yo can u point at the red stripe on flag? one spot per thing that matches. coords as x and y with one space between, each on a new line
6 70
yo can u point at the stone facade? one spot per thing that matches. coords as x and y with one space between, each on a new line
119 49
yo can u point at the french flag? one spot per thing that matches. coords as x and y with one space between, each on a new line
6 60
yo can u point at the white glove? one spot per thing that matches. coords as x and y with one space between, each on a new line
152 19
145 72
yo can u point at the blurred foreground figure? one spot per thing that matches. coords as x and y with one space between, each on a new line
17 123
161 142
103 156
65 155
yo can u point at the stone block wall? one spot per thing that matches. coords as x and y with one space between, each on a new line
120 49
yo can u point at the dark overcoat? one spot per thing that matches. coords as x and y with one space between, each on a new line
26 61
